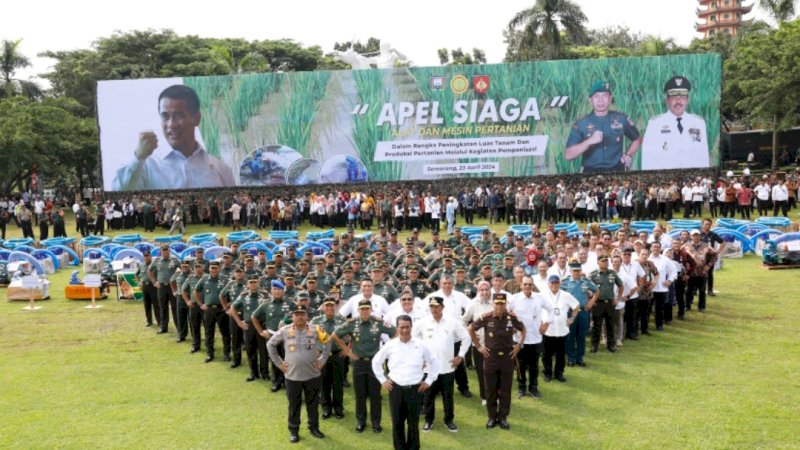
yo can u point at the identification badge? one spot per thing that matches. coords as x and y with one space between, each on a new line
557 311
491 335
291 348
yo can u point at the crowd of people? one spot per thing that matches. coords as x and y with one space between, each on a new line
316 324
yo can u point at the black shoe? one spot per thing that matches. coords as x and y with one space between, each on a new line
235 364
148 325
570 364
702 310
339 415
326 415
593 350
345 384
377 429
294 437
466 393
548 378
275 388
534 392
161 331
360 428
612 349
316 433
451 427
251 378
521 393
427 427
194 350
470 367
581 364
561 378
209 358
681 318
646 332
661 328
180 339
503 424
226 358
633 337
491 423
712 294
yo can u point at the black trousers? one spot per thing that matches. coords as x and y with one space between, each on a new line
783 205
696 284
444 386
277 374
469 213
195 325
181 318
710 280
554 348
237 339
603 311
528 366
332 390
643 313
478 360
150 301
659 299
366 385
297 392
680 295
404 404
461 372
164 299
263 357
498 373
630 318
251 349
213 317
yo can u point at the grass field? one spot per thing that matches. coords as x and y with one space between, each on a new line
77 378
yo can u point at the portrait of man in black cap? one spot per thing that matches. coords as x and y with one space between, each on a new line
675 139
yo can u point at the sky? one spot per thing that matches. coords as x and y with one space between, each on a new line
416 28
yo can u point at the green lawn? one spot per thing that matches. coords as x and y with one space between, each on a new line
77 378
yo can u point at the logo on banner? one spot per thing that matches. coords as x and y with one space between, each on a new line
459 84
480 83
437 83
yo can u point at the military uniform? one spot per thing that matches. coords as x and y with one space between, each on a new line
255 346
582 289
270 316
209 288
181 308
333 372
162 270
230 293
607 282
365 337
386 291
149 295
195 314
498 367
303 350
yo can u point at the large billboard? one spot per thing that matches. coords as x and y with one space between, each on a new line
423 123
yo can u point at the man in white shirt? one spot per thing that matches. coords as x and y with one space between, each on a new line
660 236
634 271
406 305
666 275
629 287
411 366
440 333
379 304
558 320
454 305
762 192
188 165
540 279
528 308
560 267
478 306
780 198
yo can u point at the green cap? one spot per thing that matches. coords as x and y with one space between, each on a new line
600 86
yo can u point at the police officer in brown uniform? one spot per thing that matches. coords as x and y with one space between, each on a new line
498 353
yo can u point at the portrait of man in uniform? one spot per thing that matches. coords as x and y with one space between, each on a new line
675 139
599 137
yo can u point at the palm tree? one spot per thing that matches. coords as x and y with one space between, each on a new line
657 46
546 20
780 10
11 60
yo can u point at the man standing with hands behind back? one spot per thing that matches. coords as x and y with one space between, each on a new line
188 165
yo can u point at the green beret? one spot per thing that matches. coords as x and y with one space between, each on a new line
600 86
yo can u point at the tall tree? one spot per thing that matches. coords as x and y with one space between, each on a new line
763 74
10 61
545 22
459 57
780 10
373 45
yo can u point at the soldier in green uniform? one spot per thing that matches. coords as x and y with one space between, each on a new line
331 266
332 373
206 292
463 285
314 294
160 272
261 264
291 291
602 307
242 310
305 351
195 314
365 336
268 318
456 239
418 288
599 136
474 267
498 353
358 274
348 286
229 294
336 251
324 278
484 244
281 267
304 300
227 266
380 287
250 268
199 257
182 309
291 256
149 293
